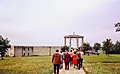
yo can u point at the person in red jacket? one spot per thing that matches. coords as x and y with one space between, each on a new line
67 60
56 60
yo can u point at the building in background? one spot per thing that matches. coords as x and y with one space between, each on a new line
16 51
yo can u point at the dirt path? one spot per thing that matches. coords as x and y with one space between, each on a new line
71 71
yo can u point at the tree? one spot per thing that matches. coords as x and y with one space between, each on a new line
97 46
86 47
117 47
4 45
118 27
107 46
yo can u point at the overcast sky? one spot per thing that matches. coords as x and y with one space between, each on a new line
46 22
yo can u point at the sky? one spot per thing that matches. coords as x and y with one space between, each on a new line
46 22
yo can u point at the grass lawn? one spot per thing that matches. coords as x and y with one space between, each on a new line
26 65
102 64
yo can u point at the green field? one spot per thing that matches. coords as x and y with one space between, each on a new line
42 65
26 65
102 64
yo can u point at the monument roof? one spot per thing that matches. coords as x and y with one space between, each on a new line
73 36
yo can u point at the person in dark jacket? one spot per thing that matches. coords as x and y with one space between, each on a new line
56 60
67 60
78 57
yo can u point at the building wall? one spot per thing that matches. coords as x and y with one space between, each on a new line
23 51
41 50
32 50
11 51
45 50
18 51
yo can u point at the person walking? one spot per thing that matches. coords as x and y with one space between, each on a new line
71 53
81 57
67 60
62 57
78 57
74 60
56 60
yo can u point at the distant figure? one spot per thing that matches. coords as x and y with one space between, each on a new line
71 53
74 60
62 57
56 60
81 57
67 60
78 57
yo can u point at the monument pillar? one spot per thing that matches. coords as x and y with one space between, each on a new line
64 41
77 40
82 42
70 42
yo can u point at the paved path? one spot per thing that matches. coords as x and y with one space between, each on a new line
71 71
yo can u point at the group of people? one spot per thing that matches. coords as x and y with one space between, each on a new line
72 58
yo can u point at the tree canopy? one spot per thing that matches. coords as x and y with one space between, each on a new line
86 47
4 45
97 46
116 49
118 27
108 46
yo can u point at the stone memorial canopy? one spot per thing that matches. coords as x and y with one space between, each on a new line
73 36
